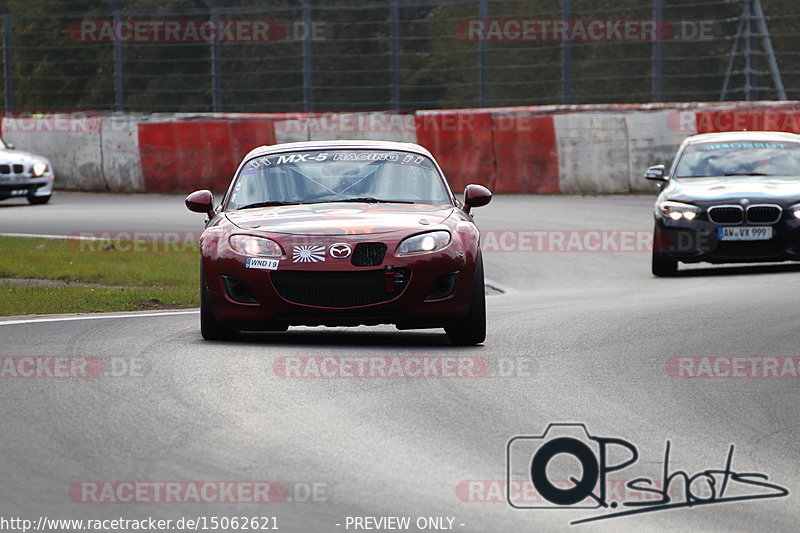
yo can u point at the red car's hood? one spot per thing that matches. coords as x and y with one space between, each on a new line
339 218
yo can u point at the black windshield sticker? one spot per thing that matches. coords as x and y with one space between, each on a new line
708 147
294 158
365 156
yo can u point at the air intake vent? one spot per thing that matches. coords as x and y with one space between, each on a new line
764 214
368 254
340 289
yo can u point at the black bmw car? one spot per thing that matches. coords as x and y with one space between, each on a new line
728 198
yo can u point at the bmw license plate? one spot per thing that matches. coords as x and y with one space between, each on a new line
745 233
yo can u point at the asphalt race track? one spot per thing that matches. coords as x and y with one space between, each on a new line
586 336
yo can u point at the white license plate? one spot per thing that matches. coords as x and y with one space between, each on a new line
263 264
745 233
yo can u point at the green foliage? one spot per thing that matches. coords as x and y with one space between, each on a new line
350 63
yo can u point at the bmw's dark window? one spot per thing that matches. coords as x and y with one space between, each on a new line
742 158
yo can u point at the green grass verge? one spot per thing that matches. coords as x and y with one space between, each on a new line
16 300
131 276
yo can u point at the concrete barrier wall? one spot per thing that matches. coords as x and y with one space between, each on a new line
593 153
651 143
71 143
119 146
588 149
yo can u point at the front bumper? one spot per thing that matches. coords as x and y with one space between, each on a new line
697 240
27 186
408 281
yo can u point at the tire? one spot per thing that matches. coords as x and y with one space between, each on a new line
210 328
470 329
38 200
664 266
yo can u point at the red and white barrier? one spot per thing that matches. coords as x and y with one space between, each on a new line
122 162
592 152
461 140
342 126
649 143
72 144
526 153
537 150
183 155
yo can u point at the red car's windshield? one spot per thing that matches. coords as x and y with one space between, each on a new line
338 176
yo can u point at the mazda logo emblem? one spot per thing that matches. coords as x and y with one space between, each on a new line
340 250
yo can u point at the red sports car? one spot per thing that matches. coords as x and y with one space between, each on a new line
341 233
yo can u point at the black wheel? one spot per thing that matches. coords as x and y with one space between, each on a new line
210 328
664 266
38 200
471 328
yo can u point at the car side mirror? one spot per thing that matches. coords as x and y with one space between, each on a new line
476 196
656 173
201 202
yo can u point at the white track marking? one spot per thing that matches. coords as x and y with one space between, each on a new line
93 317
61 237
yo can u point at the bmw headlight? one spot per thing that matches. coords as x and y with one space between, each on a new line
424 243
39 169
795 209
255 246
678 210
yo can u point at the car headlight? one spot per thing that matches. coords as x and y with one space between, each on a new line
424 243
39 169
678 210
255 246
795 209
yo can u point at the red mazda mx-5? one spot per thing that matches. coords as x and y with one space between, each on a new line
341 233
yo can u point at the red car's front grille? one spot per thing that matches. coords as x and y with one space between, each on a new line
340 289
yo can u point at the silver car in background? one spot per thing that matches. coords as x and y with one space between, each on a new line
25 174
